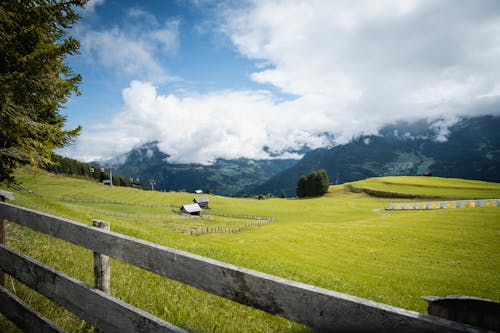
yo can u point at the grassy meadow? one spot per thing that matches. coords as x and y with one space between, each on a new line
344 241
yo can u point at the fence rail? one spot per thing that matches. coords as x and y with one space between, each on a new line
221 229
91 305
117 202
24 317
312 306
444 204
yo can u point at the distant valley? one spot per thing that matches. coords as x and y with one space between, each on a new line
148 166
471 151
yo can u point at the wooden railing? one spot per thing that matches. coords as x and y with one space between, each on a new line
315 307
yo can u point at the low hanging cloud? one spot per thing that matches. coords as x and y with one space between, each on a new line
352 68
201 128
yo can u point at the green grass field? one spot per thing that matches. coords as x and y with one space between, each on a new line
343 241
434 187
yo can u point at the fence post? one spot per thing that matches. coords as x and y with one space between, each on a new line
2 241
102 272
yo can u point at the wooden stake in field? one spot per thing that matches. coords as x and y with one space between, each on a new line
2 241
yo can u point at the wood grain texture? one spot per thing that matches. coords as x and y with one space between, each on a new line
3 225
102 269
312 306
24 317
94 306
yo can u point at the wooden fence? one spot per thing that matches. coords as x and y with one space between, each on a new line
221 229
444 204
315 307
117 202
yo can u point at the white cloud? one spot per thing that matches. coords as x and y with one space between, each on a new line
133 51
140 14
167 36
202 128
374 62
92 4
122 54
353 68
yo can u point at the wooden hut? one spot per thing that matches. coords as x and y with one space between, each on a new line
202 201
6 195
191 209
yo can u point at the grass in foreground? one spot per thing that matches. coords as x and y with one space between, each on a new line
343 241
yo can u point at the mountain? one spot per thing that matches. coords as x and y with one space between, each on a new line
148 166
471 151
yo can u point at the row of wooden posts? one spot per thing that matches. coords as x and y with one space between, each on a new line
220 229
444 204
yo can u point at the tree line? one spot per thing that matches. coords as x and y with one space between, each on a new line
314 185
70 167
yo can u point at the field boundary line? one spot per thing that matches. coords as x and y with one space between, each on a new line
430 205
117 202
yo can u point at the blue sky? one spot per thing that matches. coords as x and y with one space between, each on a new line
224 79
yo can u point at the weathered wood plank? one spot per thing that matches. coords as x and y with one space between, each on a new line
91 305
312 306
102 269
23 316
2 241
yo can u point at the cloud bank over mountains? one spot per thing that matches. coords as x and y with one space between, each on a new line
348 67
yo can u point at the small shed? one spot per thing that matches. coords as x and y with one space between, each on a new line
191 209
6 195
202 201
198 191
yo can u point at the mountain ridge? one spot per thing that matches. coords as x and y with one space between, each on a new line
471 151
148 166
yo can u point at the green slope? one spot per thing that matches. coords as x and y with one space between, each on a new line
343 241
431 187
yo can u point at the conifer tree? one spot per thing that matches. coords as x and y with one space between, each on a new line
34 81
312 184
324 181
315 184
301 187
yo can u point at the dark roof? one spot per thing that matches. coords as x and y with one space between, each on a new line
201 200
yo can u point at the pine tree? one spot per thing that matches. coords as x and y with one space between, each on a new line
324 181
312 184
315 184
301 187
34 81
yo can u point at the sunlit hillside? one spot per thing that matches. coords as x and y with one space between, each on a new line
344 241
